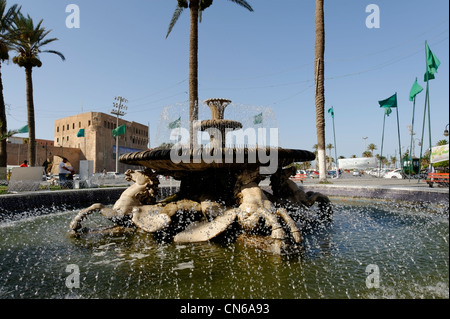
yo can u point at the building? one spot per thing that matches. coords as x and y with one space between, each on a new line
97 143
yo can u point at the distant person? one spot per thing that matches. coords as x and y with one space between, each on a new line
47 165
65 173
24 164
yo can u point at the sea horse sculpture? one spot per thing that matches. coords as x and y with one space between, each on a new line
254 210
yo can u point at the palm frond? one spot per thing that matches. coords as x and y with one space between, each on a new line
28 39
6 18
174 20
57 53
244 4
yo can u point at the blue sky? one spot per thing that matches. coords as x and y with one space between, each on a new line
261 60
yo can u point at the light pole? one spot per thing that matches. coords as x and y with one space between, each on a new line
118 106
446 131
365 146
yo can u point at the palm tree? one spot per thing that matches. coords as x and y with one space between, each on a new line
6 18
320 90
27 41
329 148
367 154
196 7
371 148
393 161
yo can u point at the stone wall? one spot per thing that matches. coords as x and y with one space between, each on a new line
17 153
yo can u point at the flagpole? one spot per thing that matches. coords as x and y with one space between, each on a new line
412 138
399 143
429 122
425 107
382 142
335 151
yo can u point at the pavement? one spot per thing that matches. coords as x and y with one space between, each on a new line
371 181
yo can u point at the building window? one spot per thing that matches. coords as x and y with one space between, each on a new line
73 126
57 129
79 124
89 123
67 126
57 140
67 138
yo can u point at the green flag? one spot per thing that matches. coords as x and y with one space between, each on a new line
80 133
389 102
175 124
258 118
23 129
430 76
387 111
119 131
331 111
432 61
416 89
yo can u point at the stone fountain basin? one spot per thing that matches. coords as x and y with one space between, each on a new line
160 159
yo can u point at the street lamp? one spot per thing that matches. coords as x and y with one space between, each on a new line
118 107
446 131
365 146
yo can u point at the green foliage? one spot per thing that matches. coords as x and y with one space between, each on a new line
202 5
27 39
6 19
183 3
24 61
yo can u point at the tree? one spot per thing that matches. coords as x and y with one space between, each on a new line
320 90
329 148
393 161
28 40
367 154
196 7
6 18
371 147
4 136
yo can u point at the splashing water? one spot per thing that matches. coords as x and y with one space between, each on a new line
245 114
408 245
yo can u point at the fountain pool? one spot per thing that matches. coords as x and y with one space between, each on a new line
404 248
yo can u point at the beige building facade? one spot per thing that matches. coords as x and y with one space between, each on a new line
97 143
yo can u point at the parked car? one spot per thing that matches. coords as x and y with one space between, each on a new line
397 173
333 173
356 172
314 174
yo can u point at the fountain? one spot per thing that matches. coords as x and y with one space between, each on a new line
219 190
370 249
